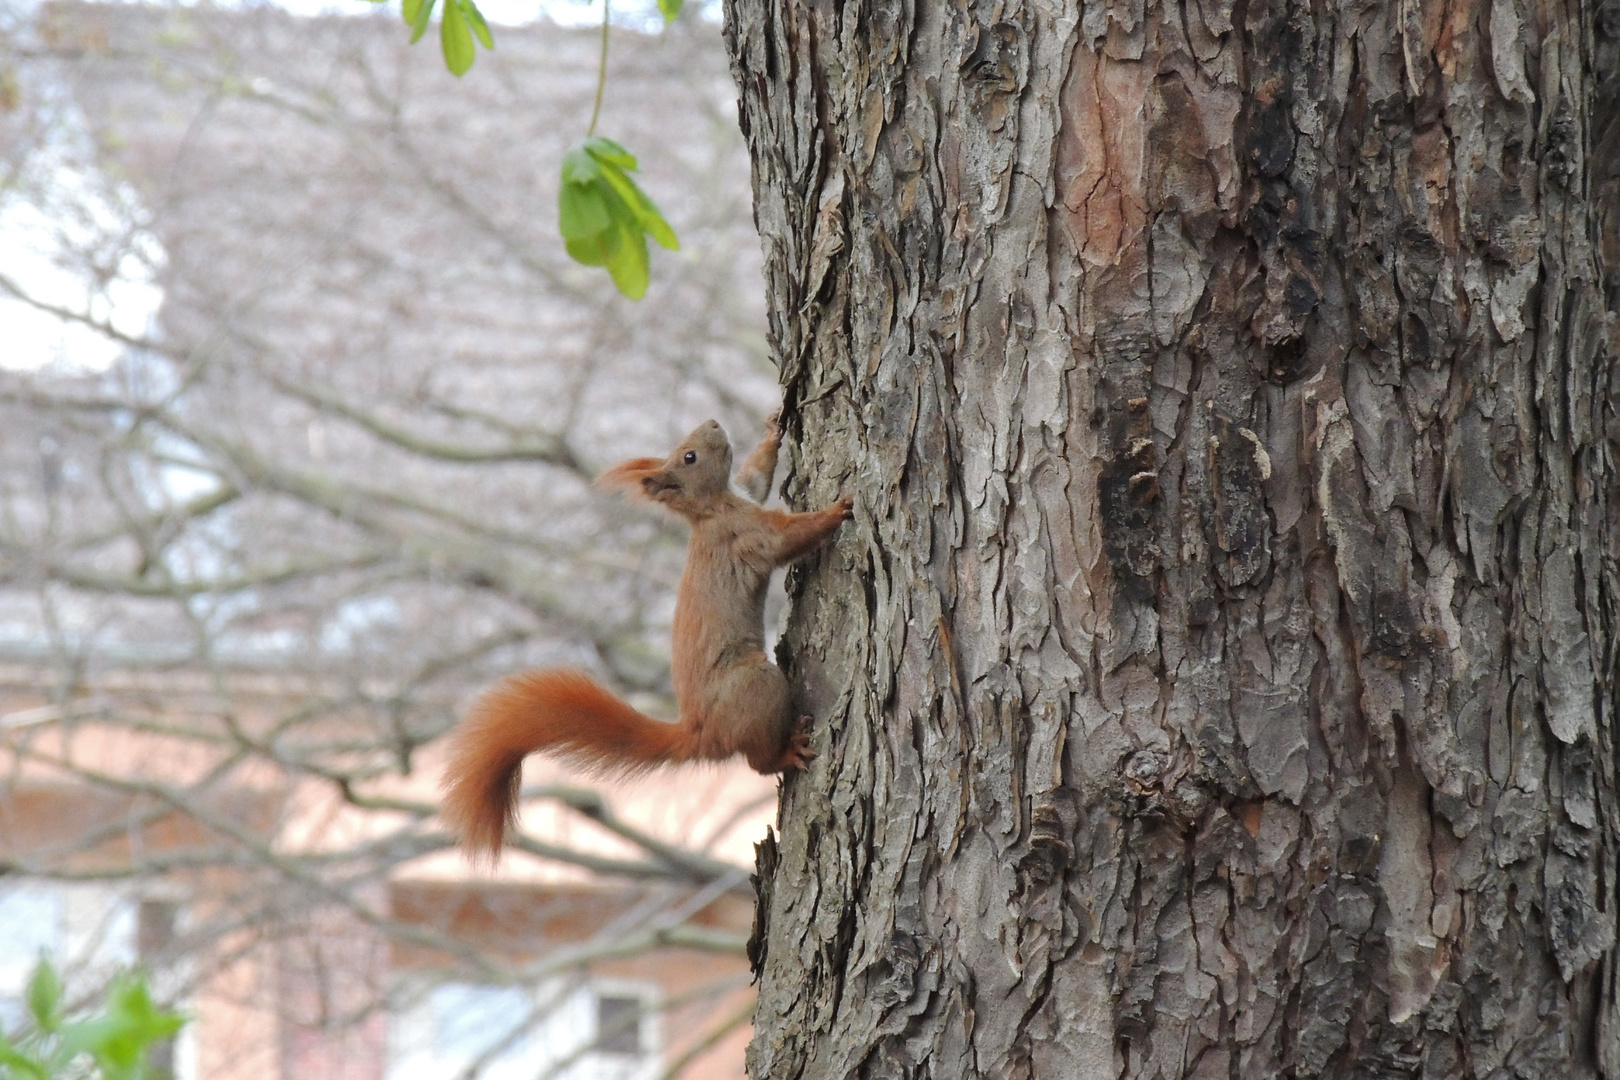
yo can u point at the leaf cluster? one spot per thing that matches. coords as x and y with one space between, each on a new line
605 218
459 24
109 1044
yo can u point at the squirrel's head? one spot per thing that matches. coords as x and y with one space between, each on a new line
698 469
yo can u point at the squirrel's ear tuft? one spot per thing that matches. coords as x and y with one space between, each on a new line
632 475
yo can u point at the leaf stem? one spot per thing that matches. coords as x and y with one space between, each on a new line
601 73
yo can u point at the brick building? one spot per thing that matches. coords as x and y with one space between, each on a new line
387 977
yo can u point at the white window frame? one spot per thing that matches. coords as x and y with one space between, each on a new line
565 1025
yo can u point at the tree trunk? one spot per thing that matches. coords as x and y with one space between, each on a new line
1219 679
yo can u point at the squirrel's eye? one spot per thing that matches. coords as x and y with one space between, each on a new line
691 457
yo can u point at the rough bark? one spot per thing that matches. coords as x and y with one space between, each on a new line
1219 679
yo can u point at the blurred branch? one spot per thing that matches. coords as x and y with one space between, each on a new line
547 449
9 286
190 510
737 816
677 936
149 586
594 806
672 862
743 1014
299 869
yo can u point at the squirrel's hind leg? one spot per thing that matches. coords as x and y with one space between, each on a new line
752 714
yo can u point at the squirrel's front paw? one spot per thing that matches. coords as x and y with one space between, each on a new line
798 754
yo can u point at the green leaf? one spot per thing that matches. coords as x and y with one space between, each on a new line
118 1038
660 231
578 167
609 152
456 39
653 220
628 265
45 996
479 26
605 218
460 22
669 9
581 211
133 1006
625 188
17 1062
416 13
591 251
88 1036
645 211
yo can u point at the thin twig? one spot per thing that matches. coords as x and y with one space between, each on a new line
601 73
692 864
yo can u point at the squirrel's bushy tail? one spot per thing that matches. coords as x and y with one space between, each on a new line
554 709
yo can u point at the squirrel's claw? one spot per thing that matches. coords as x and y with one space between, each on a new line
798 754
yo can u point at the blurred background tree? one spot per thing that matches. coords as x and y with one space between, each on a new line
302 399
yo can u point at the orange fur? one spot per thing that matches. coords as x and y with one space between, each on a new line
629 474
560 710
731 698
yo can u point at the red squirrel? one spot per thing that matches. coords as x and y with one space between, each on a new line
730 697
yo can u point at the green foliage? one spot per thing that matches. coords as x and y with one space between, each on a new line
460 22
108 1044
605 218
